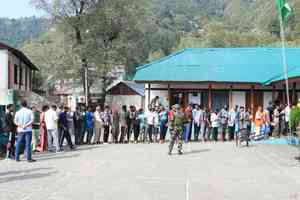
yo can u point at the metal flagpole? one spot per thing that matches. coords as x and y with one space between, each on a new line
285 67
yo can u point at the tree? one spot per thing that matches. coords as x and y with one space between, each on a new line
70 15
15 32
117 36
54 57
109 34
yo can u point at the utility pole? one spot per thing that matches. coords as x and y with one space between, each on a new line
86 82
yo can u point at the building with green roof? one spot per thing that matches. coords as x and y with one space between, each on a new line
215 77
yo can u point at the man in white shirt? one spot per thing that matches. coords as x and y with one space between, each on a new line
23 120
232 122
215 124
99 125
287 113
51 120
150 119
198 121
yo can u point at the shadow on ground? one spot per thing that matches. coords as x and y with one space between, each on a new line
56 156
24 171
65 154
25 177
33 173
197 151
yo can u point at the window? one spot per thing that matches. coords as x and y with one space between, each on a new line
9 75
16 74
20 76
26 78
30 80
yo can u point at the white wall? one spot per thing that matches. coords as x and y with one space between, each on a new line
163 95
267 99
195 99
3 70
238 98
116 101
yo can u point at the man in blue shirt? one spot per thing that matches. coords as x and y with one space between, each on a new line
89 125
63 125
23 121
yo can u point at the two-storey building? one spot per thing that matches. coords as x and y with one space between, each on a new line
16 73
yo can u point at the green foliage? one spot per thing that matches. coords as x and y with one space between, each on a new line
295 117
54 57
15 32
133 32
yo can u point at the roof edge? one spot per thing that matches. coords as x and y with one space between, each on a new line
274 78
19 54
161 59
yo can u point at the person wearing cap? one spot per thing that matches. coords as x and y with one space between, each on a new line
176 128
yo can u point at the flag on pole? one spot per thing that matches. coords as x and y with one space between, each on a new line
284 9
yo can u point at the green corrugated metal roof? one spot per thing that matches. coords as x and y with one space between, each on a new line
292 73
247 65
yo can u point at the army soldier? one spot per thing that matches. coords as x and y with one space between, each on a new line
176 128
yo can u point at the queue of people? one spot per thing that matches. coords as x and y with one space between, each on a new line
47 130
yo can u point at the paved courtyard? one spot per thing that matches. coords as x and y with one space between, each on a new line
146 172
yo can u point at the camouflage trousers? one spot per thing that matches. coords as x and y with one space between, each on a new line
176 135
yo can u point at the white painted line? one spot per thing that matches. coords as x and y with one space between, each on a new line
187 188
160 179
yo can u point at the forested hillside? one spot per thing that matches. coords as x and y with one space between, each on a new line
230 23
133 32
199 23
15 32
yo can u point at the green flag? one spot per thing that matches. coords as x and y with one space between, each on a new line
284 9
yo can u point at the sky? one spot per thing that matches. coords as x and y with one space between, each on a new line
17 9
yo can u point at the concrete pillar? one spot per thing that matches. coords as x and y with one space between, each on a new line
209 96
149 94
284 99
273 93
294 93
230 97
252 99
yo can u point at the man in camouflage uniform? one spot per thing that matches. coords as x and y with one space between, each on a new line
176 128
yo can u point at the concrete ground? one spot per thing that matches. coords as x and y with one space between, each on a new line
145 172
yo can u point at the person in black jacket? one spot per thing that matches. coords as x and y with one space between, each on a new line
10 129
